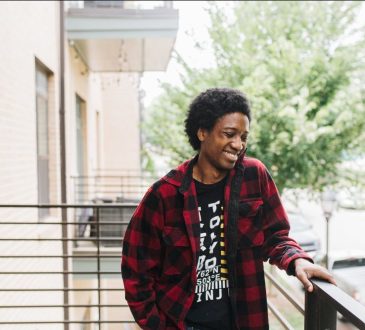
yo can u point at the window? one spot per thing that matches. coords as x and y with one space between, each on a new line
81 149
42 91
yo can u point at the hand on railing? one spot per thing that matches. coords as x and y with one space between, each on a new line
305 270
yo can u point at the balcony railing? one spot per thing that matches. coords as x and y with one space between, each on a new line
56 271
111 187
145 5
65 270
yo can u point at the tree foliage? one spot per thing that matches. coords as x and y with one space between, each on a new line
301 65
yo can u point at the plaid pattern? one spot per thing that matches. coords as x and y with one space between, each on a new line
161 245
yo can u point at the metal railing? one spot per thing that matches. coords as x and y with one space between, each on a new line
287 295
115 188
145 5
321 306
35 287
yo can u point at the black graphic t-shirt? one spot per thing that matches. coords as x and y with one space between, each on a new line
211 306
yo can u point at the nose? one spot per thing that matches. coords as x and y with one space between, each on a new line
237 143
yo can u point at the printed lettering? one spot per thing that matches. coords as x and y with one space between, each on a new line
211 263
219 295
214 222
210 284
202 237
214 206
209 295
211 248
201 262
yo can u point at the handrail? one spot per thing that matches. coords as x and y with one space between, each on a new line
112 186
285 293
66 206
284 322
322 304
27 260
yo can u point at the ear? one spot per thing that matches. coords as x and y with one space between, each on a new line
202 133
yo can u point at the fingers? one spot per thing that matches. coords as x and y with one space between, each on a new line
332 280
305 270
325 275
321 273
304 278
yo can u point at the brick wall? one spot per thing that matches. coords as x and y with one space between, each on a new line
29 31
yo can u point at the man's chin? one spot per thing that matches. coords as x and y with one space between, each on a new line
227 166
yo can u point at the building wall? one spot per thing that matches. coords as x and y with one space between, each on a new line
23 38
76 83
112 119
121 142
29 31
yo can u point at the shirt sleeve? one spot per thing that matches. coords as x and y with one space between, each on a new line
141 261
279 248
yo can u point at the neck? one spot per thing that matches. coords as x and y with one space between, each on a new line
206 174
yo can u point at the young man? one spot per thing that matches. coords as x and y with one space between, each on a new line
194 250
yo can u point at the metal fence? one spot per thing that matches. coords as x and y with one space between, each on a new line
116 188
119 4
63 272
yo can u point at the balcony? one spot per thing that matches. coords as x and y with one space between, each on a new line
128 36
111 186
64 271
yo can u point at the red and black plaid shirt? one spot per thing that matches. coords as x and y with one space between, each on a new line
161 246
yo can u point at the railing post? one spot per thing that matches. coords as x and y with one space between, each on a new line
319 314
98 236
66 312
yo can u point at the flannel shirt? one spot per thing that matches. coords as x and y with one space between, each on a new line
161 246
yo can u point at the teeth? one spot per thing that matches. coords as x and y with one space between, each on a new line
231 155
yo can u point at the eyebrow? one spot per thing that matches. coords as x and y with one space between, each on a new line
235 129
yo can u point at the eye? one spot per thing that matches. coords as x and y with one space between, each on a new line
244 138
229 134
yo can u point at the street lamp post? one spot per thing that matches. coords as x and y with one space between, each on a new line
328 203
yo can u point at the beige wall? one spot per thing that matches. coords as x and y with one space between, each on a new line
113 99
117 105
23 38
76 83
29 30
121 123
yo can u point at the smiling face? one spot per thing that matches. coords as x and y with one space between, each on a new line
221 146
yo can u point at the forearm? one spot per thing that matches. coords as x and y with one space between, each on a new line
282 251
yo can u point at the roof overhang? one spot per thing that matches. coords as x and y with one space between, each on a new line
117 39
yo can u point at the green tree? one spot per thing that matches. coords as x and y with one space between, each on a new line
301 65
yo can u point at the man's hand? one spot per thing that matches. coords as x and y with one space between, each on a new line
304 270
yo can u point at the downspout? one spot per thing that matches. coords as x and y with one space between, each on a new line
63 166
141 105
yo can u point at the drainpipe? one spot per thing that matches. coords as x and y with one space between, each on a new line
140 103
63 165
141 120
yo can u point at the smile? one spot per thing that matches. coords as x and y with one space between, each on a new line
232 156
